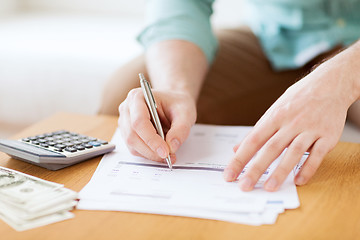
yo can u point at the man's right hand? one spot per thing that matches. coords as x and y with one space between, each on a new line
177 113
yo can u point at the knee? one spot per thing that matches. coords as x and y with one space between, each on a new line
116 89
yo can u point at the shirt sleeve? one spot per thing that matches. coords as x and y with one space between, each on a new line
180 19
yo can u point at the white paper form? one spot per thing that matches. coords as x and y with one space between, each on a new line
194 188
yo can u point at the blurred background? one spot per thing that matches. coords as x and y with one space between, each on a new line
56 55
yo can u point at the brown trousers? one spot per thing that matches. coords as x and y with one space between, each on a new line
239 87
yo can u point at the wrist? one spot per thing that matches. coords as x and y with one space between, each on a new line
176 65
356 73
177 86
343 72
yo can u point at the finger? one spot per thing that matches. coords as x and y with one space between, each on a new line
123 119
165 121
292 156
247 149
317 154
179 131
141 124
137 147
172 158
135 153
236 147
133 142
268 153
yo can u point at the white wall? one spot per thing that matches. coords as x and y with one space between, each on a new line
123 7
8 6
227 12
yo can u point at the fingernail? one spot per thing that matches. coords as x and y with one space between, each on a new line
299 180
271 185
229 175
161 152
172 158
246 184
174 145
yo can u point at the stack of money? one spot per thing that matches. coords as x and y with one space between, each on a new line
28 202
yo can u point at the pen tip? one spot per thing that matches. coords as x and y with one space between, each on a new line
168 161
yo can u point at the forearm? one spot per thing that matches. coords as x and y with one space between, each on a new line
177 65
354 68
354 110
343 70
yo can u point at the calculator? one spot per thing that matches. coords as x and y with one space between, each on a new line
55 150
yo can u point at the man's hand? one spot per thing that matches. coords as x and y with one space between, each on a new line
177 113
309 116
177 69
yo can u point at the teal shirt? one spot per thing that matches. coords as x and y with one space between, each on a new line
291 32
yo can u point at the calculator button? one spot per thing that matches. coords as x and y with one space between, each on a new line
80 148
49 139
70 149
57 137
85 140
66 135
48 134
35 142
32 138
95 144
76 142
41 140
26 139
60 132
87 145
59 141
68 144
40 136
67 139
58 150
103 142
60 146
44 145
51 143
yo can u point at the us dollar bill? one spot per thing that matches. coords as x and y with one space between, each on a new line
27 202
19 216
37 222
20 187
43 201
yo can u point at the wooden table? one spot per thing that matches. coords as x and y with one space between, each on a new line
330 202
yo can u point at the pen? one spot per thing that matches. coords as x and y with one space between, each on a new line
150 101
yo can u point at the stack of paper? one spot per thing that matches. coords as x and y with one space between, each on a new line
27 202
195 187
